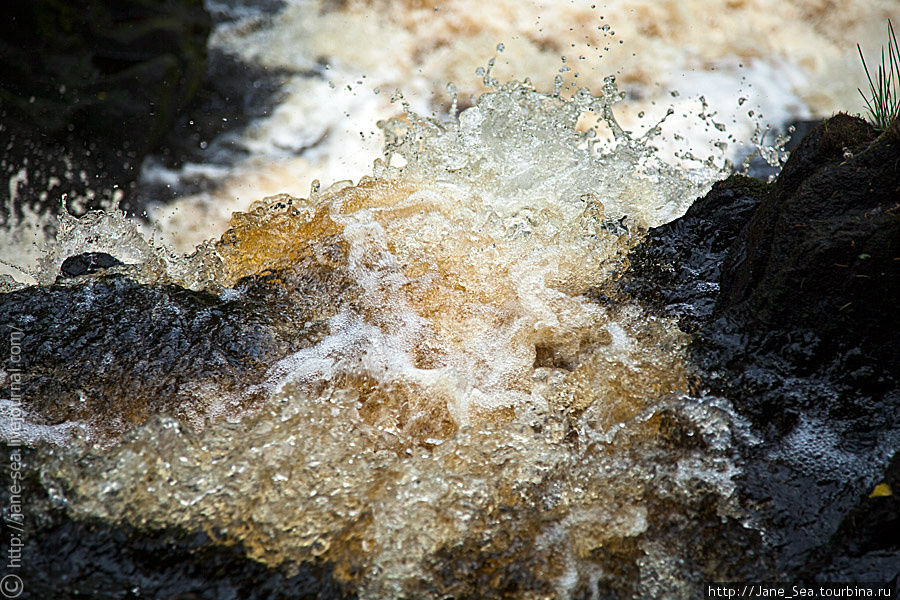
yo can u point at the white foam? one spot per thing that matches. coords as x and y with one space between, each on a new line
789 60
17 430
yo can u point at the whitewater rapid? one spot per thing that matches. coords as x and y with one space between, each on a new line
461 402
757 63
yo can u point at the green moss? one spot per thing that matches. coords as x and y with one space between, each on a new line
843 131
744 184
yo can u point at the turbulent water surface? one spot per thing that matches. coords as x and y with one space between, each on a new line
467 393
457 407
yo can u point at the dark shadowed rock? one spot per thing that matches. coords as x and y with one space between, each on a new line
234 93
677 267
112 352
821 251
89 88
792 291
801 342
86 263
865 546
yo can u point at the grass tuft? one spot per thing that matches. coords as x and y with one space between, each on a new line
883 101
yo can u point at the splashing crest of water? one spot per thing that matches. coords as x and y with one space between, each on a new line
470 400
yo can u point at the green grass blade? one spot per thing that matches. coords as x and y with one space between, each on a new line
883 101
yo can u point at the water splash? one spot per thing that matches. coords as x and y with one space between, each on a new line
523 144
774 154
472 420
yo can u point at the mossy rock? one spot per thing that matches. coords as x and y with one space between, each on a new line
821 251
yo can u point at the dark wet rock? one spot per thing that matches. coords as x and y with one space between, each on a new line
234 93
812 280
796 326
90 87
866 545
114 352
676 269
87 263
63 557
820 252
792 291
801 338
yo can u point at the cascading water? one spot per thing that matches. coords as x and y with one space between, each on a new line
472 419
427 382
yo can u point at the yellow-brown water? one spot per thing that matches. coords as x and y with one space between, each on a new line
474 417
475 422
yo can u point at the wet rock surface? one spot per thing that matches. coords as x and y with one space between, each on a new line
233 94
796 327
678 268
87 263
114 352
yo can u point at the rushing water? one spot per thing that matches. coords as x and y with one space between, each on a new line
468 386
757 62
461 409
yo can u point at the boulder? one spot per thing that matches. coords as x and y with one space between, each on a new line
677 268
791 290
822 252
111 352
